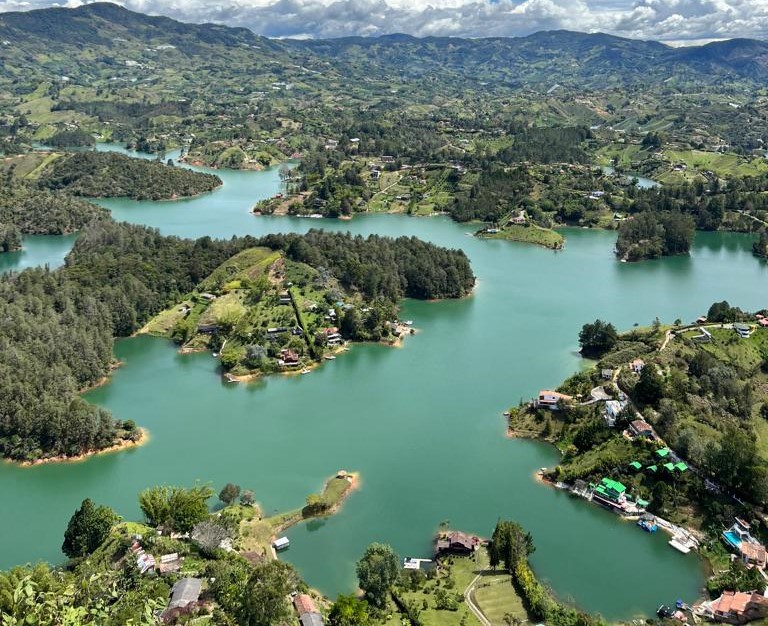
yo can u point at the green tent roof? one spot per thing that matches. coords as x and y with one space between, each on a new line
652 468
681 467
663 453
642 503
635 465
613 484
669 467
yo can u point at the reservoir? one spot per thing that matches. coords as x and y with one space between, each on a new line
422 424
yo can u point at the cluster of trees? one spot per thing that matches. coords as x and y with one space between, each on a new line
107 174
539 144
495 193
597 338
70 139
10 237
381 266
175 508
58 328
29 211
650 235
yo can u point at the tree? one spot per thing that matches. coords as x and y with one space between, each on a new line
509 544
176 507
265 599
597 338
247 497
229 493
87 529
650 388
377 571
349 611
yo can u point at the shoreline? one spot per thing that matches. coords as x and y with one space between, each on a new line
124 444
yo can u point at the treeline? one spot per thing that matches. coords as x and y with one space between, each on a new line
650 235
107 174
57 329
511 546
40 212
381 266
70 139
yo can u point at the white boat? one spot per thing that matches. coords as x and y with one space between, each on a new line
306 370
679 546
408 322
330 357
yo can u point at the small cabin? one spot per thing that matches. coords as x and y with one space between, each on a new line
281 543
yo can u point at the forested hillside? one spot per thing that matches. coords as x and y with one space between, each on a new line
57 328
41 212
103 174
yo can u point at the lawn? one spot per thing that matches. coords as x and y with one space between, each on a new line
496 597
530 234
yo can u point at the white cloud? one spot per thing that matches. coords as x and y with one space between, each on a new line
673 20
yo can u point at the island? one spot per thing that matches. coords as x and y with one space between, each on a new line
296 300
112 175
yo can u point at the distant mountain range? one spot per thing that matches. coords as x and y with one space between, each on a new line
90 38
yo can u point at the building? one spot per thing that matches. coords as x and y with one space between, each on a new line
742 330
519 219
735 607
308 613
641 428
739 534
611 411
185 595
281 543
610 491
606 374
456 542
551 399
637 365
753 554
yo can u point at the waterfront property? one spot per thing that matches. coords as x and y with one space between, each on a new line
613 495
734 607
738 533
281 543
456 542
308 613
552 400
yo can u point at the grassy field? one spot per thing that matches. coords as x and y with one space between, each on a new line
722 164
530 234
496 598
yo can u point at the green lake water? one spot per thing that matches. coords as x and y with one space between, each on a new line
422 424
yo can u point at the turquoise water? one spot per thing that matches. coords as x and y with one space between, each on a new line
422 424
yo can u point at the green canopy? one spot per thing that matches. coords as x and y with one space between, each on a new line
670 467
652 468
681 467
662 453
636 466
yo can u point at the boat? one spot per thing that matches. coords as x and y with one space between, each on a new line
648 523
306 370
329 357
408 322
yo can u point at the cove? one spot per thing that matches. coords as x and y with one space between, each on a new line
422 424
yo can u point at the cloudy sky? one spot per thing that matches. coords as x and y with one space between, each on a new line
683 21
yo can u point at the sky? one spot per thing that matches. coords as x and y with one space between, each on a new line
673 21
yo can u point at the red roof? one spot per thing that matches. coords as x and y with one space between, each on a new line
736 602
304 604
